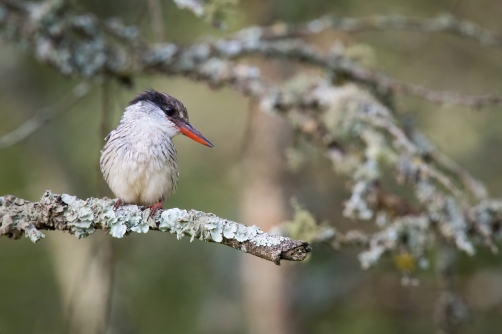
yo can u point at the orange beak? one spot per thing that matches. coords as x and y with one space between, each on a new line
188 130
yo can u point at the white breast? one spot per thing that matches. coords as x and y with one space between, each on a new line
139 160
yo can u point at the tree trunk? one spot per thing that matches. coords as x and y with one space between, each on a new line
265 285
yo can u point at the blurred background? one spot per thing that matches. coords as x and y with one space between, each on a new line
154 283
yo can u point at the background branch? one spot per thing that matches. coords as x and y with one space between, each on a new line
445 23
43 116
125 55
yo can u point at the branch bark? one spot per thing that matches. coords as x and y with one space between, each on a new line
83 217
444 23
86 46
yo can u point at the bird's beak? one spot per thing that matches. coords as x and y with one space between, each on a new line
188 130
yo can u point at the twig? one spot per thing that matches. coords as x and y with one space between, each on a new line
347 69
475 187
445 23
43 116
429 151
79 217
445 97
451 310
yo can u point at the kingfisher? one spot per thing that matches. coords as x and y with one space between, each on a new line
139 161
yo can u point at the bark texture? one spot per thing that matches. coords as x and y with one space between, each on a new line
83 217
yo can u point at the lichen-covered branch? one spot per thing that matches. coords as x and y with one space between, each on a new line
356 130
451 310
445 23
83 217
364 141
86 46
343 67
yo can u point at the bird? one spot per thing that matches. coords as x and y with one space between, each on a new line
139 161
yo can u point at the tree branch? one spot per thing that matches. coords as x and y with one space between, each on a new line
345 68
371 135
445 23
83 217
451 311
86 46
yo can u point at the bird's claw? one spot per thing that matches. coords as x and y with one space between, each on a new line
154 208
117 204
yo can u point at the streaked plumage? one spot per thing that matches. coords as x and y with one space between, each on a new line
139 160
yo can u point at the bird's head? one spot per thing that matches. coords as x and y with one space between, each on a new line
174 111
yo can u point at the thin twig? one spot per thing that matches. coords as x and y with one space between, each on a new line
349 70
445 23
475 187
451 311
43 116
444 97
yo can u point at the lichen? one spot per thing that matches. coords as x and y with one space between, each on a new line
303 226
32 233
211 228
79 216
295 159
350 109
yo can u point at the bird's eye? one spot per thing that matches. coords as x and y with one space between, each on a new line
169 112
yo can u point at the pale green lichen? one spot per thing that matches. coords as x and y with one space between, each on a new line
357 207
295 159
128 217
171 220
32 233
140 225
229 231
118 230
303 226
241 234
362 54
78 214
216 230
211 228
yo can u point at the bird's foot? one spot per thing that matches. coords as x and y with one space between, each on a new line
117 204
154 208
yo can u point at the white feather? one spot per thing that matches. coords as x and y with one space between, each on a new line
139 159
